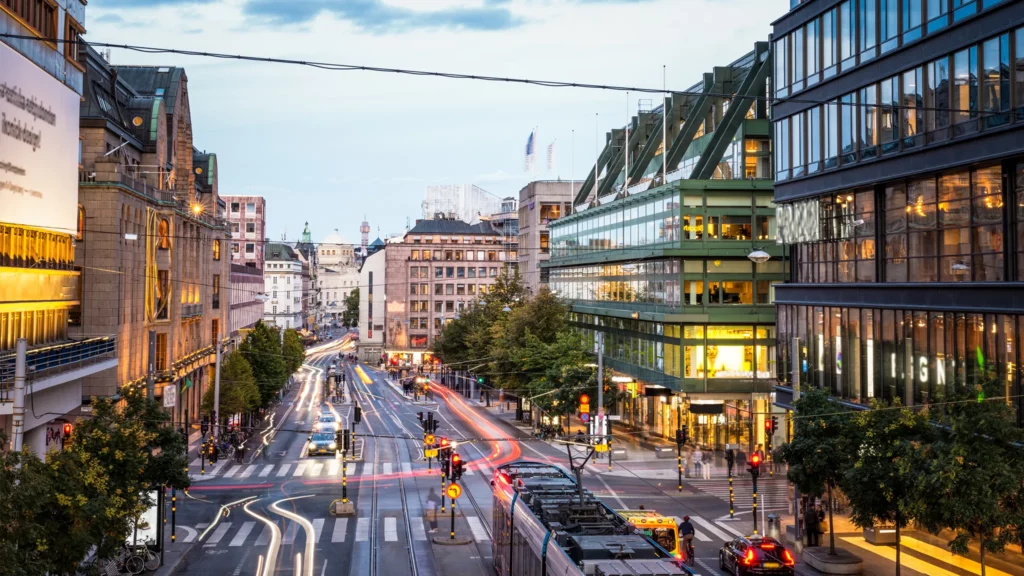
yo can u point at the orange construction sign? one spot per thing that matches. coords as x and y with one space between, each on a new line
454 491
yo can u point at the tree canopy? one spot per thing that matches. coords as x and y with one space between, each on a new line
262 350
350 317
238 390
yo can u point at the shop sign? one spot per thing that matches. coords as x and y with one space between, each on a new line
170 396
798 222
38 146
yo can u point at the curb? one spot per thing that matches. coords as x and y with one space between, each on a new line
450 542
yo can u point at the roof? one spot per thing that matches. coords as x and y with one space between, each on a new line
377 242
335 238
439 226
280 251
149 80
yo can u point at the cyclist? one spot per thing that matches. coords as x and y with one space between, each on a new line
687 532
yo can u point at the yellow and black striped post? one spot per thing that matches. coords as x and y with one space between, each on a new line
732 500
174 513
755 506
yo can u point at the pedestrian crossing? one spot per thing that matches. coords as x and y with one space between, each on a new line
325 530
771 493
312 468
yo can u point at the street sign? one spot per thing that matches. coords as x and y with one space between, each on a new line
615 417
585 417
454 491
429 440
601 448
430 452
170 395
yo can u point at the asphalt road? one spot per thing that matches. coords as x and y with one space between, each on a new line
270 515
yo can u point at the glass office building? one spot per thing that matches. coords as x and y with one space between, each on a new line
657 259
900 189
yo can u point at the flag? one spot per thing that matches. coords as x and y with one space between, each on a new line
551 155
529 151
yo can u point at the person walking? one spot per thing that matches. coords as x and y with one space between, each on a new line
813 538
706 462
698 461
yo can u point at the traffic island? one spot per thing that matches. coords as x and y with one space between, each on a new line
339 508
842 562
446 541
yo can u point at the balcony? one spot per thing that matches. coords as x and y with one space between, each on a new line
55 364
191 310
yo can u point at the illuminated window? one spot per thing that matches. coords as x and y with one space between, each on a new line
216 249
80 235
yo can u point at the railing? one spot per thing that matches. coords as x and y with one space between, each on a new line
191 310
136 184
53 357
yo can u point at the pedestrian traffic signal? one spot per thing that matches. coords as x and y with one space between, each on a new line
358 415
67 430
479 379
755 465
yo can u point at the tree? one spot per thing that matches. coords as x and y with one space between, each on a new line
294 351
974 470
238 389
819 453
350 317
883 484
262 349
542 316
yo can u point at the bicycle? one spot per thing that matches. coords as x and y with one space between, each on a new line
128 561
690 552
150 561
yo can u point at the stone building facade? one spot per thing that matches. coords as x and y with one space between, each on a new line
154 254
540 203
247 222
432 273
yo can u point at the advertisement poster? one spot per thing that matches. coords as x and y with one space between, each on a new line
38 146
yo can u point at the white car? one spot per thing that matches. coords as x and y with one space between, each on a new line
327 423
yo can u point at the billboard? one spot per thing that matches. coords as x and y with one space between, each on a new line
38 146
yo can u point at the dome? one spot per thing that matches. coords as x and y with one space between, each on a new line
335 238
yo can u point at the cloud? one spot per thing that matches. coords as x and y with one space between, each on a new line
377 17
119 21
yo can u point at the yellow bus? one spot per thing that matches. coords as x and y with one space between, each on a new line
662 529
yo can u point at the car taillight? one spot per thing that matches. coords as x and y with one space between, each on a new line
767 546
748 560
787 558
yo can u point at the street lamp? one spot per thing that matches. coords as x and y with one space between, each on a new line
506 309
759 256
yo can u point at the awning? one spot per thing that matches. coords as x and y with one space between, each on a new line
707 408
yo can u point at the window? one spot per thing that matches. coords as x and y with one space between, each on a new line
40 15
250 208
911 20
995 77
426 254
812 52
460 272
482 272
250 228
449 272
797 44
494 272
414 255
545 242
889 13
848 128
460 290
847 34
216 249
868 36
438 272
235 207
889 117
437 306
250 248
830 134
449 289
797 131
72 33
781 56
448 255
161 352
471 272
828 43
965 88
782 150
868 122
216 291
938 15
80 232
164 233
937 100
234 229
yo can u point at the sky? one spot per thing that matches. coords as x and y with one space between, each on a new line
331 147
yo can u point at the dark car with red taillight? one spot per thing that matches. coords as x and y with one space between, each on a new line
756 555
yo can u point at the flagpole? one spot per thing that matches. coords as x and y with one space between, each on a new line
572 168
664 127
597 150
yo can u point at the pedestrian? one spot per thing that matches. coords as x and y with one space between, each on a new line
698 461
811 527
706 462
433 500
823 526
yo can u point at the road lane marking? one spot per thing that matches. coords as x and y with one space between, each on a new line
906 560
387 468
332 470
266 470
300 469
477 528
726 526
264 538
944 555
242 534
709 527
230 472
362 530
390 530
340 528
418 530
318 529
316 469
248 471
270 566
284 470
486 470
218 534
368 469
406 468
307 526
190 534
289 534
350 469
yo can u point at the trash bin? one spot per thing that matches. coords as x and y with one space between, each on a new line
774 529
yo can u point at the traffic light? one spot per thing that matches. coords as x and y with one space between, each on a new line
420 416
775 423
204 428
584 404
346 440
479 379
458 467
67 431
358 415
682 436
213 453
754 466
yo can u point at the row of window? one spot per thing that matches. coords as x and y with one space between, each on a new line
250 208
423 272
448 289
958 94
725 217
918 357
947 228
455 239
459 255
857 31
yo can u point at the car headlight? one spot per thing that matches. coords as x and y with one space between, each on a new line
333 446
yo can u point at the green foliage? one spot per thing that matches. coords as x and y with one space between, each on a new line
238 390
350 317
294 351
820 451
92 492
974 470
262 349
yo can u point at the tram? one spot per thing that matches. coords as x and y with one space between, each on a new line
545 524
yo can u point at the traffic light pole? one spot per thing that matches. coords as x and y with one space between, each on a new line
452 532
679 460
754 478
344 475
732 499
